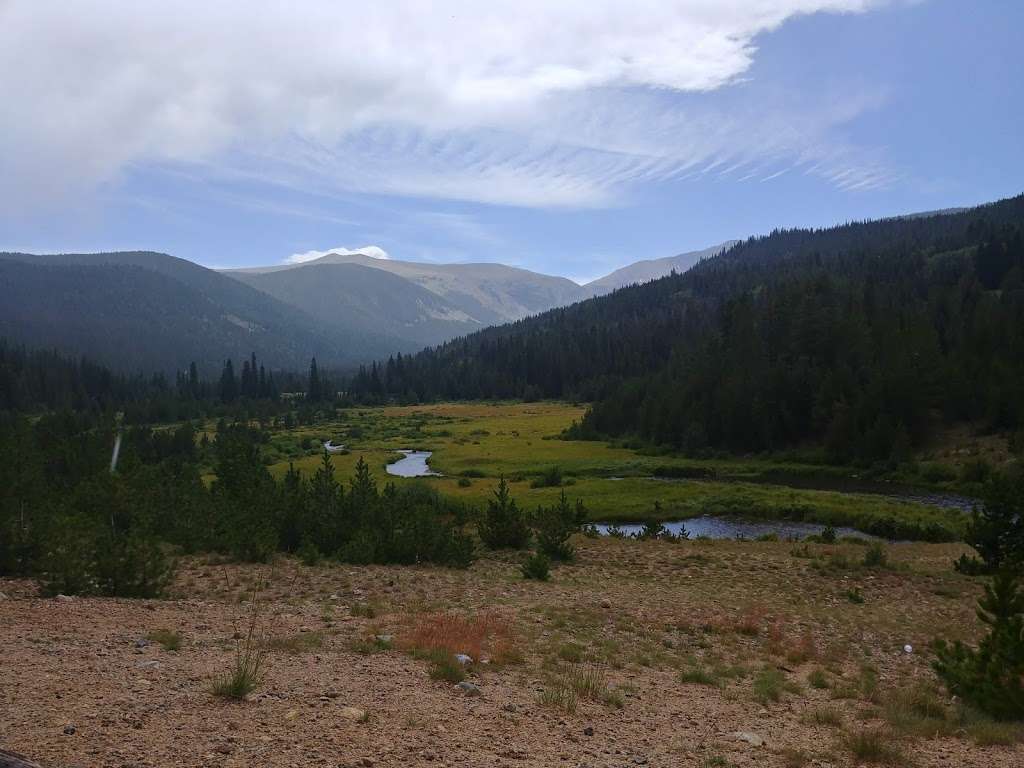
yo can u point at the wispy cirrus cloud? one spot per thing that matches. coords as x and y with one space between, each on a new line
529 103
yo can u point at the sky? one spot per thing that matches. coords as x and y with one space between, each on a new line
569 138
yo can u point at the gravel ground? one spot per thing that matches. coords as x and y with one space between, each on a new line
81 686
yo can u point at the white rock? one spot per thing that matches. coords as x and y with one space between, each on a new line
751 738
463 659
908 648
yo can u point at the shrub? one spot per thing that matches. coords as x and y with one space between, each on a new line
554 525
990 676
504 524
975 471
854 596
828 535
308 553
996 529
171 641
875 557
652 529
614 531
537 566
818 679
874 746
464 482
551 478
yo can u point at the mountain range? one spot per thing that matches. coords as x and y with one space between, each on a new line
142 310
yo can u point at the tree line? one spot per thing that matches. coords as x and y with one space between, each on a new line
38 381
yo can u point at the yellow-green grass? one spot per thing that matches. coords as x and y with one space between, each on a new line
481 442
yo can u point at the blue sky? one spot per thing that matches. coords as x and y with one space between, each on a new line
571 144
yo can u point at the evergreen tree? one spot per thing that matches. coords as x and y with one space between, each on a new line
503 524
228 383
996 529
314 392
991 676
555 524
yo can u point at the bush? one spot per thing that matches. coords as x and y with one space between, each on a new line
652 529
308 553
875 557
537 566
990 676
171 641
874 746
464 482
504 524
996 529
828 536
555 524
975 471
551 478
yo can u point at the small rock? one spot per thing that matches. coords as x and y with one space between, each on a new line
366 762
3 596
606 604
510 707
353 713
224 749
330 693
152 664
468 688
69 730
908 648
291 714
751 738
588 731
463 659
64 598
141 643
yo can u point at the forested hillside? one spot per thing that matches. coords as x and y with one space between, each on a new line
861 337
153 312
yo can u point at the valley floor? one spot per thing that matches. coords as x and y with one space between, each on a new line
668 650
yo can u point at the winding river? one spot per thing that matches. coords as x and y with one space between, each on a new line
413 465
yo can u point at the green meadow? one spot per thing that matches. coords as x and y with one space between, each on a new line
474 444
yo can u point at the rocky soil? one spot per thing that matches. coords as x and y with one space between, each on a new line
87 681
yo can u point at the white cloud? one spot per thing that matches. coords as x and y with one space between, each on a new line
373 251
500 102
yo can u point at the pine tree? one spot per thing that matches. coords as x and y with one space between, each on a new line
991 677
314 392
504 524
193 380
228 383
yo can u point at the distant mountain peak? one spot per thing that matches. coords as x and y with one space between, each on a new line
651 269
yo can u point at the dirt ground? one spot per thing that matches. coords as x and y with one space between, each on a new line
81 686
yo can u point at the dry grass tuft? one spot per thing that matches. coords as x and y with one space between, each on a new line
486 635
